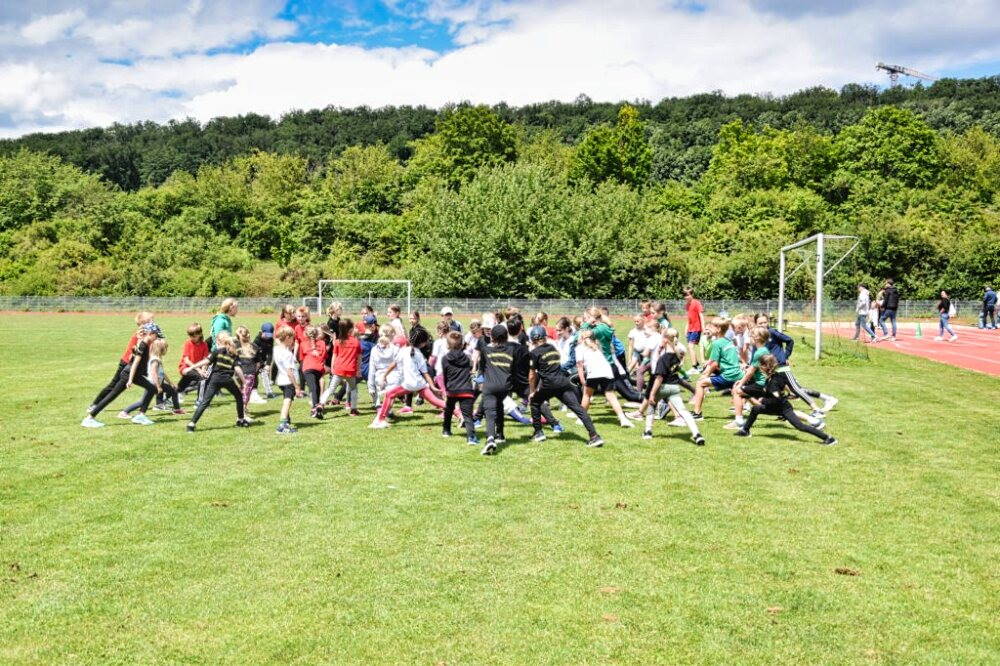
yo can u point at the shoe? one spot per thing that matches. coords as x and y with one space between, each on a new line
539 437
733 425
817 414
91 422
125 416
178 412
698 440
271 396
142 419
489 449
829 441
519 417
190 427
636 415
472 441
626 424
419 400
647 434
938 338
678 423
160 407
446 433
319 412
697 416
499 440
242 423
406 410
558 429
354 412
892 338
953 338
256 399
595 442
285 429
378 424
477 424
742 433
829 403
815 422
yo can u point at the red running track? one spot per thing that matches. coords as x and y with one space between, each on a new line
976 349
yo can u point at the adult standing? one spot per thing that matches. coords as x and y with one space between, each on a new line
695 325
223 320
946 310
989 308
890 306
861 308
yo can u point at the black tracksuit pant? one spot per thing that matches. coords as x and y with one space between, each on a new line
782 408
216 385
465 405
493 409
121 383
567 396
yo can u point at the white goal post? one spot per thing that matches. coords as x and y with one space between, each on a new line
820 240
361 283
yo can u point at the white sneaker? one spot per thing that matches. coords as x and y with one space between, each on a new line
829 403
815 422
627 424
378 424
124 416
256 399
142 419
938 338
953 338
733 425
91 422
678 423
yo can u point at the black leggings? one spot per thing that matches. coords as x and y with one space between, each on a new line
465 405
111 385
215 385
314 382
550 418
192 377
783 408
796 388
119 387
169 392
493 409
624 387
567 396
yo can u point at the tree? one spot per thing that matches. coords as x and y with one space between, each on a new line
620 153
467 139
891 143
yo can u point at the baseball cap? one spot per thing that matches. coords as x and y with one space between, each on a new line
537 333
400 341
150 327
370 319
267 330
446 311
499 331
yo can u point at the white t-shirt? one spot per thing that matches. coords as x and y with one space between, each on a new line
439 351
563 345
414 366
638 339
284 360
379 359
397 325
595 366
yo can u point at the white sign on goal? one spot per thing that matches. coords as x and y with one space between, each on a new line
804 255
353 294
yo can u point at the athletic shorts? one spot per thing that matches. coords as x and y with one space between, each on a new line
694 336
721 383
599 384
288 391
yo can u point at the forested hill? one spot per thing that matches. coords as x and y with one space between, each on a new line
682 131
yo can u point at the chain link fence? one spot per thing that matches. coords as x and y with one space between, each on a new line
794 310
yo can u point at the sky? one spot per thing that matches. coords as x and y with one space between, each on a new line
68 64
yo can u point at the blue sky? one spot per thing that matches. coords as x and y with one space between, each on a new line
79 63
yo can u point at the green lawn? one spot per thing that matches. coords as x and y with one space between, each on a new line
343 544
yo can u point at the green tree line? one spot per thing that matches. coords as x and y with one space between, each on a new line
485 207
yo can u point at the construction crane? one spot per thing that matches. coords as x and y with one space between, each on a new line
895 70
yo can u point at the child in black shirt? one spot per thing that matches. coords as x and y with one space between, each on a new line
225 370
548 380
457 370
496 361
775 402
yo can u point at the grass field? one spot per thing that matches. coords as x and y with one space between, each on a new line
342 544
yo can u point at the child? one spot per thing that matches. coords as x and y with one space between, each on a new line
415 379
456 380
226 374
223 322
287 378
368 339
382 356
635 341
722 357
666 386
780 346
394 320
248 358
448 316
775 401
132 373
496 359
695 324
741 338
312 356
265 344
158 377
346 362
548 380
521 369
195 349
126 357
596 375
439 351
751 384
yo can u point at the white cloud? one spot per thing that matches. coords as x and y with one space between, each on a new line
48 28
519 51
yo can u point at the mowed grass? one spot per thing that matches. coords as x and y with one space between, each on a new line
343 544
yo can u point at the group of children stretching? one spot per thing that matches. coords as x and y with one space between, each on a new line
491 373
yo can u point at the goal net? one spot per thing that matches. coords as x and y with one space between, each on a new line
354 294
802 269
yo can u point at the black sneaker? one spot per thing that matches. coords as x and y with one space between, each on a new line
446 433
697 416
829 441
595 441
190 427
648 434
700 441
490 448
742 433
539 436
242 423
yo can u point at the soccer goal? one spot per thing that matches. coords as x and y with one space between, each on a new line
352 294
812 252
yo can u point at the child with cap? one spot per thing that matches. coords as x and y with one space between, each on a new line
448 316
548 380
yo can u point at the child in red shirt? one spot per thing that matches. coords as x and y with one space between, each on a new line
126 357
346 365
195 349
312 354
